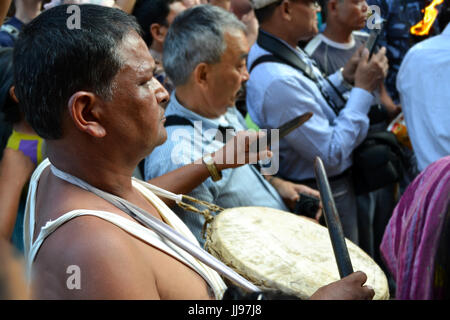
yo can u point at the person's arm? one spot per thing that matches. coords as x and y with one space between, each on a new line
4 7
361 71
15 171
348 288
332 142
289 191
392 109
186 178
126 5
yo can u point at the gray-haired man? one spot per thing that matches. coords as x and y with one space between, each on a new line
205 56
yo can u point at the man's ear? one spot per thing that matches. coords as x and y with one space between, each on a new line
12 93
84 109
158 32
201 74
331 7
286 10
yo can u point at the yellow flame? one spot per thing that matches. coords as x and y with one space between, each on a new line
423 27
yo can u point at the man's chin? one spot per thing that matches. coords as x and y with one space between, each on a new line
162 137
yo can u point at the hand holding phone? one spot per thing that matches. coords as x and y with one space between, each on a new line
372 42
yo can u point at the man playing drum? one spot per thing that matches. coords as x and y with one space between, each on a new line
94 98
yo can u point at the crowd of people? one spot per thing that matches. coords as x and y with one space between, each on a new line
154 96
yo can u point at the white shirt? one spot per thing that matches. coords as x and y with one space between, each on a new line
424 86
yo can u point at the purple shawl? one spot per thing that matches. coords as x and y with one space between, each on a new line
412 236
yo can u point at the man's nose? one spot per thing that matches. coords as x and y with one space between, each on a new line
245 75
162 96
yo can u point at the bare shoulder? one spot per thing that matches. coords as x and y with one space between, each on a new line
110 263
90 258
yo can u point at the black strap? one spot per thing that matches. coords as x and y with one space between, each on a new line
170 121
177 121
266 58
282 54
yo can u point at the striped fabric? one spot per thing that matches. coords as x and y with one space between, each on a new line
412 236
30 145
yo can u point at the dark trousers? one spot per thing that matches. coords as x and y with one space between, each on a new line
345 200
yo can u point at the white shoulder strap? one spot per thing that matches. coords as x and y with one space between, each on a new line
135 229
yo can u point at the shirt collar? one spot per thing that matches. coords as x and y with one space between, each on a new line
338 45
207 123
297 49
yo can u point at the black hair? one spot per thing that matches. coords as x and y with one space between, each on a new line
53 60
148 12
444 15
8 106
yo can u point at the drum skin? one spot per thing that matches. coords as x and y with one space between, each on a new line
282 251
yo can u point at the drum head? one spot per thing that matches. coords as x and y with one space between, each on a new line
279 250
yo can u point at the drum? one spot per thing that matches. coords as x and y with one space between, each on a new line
282 251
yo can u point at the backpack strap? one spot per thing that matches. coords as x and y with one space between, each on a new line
177 121
281 54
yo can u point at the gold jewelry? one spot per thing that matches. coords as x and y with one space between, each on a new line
215 174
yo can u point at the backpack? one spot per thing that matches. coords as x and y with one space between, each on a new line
379 161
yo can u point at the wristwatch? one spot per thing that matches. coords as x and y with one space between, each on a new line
345 84
216 175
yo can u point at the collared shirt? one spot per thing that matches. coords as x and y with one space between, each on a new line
277 93
422 82
6 39
239 187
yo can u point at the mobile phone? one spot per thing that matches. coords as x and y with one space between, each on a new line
307 205
372 41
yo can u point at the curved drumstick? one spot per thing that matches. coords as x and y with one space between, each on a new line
332 220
